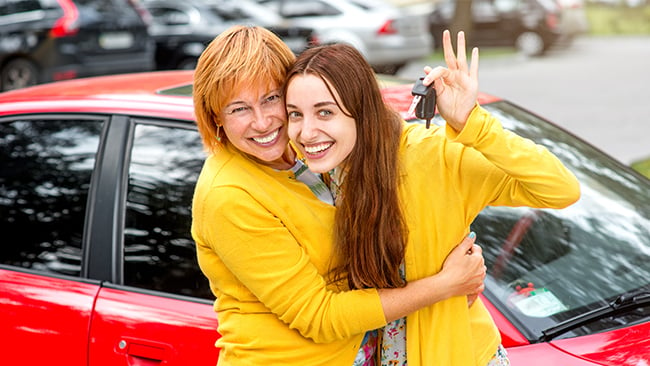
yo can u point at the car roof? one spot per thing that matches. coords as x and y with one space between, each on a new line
134 94
162 94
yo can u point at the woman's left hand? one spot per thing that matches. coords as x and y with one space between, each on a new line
457 84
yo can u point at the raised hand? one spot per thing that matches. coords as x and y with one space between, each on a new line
457 84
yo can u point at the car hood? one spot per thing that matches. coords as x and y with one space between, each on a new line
629 346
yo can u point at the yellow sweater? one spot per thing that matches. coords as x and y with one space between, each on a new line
448 179
264 240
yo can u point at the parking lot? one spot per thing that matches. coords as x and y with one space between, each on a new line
597 88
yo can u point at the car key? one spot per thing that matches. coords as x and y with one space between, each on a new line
424 101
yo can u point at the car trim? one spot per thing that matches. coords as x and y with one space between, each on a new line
106 197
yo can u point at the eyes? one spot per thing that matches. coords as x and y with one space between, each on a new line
323 114
243 110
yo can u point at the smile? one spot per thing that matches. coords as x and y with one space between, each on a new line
268 138
318 148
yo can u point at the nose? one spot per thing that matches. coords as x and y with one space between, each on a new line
262 118
308 129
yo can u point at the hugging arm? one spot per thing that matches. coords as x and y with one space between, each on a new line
275 269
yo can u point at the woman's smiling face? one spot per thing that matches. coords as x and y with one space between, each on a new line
255 123
321 130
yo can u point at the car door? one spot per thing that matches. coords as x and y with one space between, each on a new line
155 305
46 168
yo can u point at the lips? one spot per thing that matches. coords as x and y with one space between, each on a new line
268 138
316 149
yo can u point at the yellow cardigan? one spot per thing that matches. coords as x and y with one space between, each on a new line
264 241
448 179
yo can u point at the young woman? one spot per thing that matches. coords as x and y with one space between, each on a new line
407 193
263 235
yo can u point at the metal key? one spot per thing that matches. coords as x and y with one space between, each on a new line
423 108
419 90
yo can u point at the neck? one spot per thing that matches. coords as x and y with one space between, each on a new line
284 162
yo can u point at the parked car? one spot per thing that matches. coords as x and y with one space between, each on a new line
386 35
182 30
48 40
530 26
97 265
574 21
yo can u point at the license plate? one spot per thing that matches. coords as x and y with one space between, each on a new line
115 40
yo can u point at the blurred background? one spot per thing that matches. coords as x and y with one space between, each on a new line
580 63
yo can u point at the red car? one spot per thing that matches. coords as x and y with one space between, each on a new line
97 266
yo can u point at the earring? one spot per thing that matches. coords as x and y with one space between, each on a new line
218 133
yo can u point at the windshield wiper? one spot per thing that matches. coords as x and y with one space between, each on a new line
621 304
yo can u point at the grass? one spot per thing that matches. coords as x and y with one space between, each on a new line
642 166
607 20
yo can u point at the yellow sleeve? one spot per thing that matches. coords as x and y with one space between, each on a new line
267 260
507 169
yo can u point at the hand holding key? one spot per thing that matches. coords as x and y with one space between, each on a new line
424 101
457 84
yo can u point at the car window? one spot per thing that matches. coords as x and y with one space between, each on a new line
170 15
44 181
305 8
159 253
13 7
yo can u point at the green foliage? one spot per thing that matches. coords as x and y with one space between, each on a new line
642 166
618 19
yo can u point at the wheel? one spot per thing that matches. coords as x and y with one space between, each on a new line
18 73
530 43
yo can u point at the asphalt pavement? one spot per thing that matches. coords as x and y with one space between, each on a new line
597 88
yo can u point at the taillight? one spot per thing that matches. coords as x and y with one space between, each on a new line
552 21
313 41
68 24
387 28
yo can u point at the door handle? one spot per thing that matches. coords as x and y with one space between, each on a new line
142 352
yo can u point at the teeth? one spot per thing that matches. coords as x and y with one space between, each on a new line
266 139
313 149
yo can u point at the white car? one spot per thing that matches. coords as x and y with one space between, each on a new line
388 36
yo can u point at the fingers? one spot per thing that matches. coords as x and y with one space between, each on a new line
434 73
461 60
473 71
471 298
448 50
476 249
467 244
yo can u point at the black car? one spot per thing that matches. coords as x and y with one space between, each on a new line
182 30
49 40
531 26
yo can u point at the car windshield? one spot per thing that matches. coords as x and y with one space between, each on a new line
546 266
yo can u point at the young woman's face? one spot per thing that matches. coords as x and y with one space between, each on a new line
318 127
255 123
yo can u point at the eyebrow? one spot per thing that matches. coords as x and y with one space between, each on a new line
264 96
318 105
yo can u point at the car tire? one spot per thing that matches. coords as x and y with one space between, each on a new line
18 73
530 43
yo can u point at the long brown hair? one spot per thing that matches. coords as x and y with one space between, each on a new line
370 230
238 58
